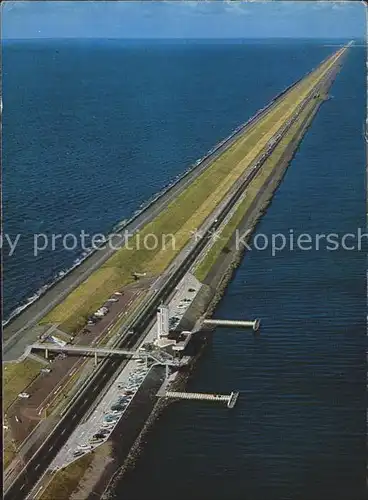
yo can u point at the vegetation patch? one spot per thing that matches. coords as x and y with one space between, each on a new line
9 447
16 377
66 481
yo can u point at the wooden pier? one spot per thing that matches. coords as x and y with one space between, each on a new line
229 399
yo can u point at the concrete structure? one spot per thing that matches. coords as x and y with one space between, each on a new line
229 322
230 399
183 341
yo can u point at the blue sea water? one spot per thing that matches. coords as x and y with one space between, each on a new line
92 129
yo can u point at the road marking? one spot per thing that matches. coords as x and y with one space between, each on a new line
23 485
62 432
37 466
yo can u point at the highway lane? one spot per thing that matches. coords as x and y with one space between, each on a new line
107 369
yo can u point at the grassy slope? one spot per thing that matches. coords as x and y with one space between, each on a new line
186 213
9 446
67 480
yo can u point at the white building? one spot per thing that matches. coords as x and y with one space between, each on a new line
162 322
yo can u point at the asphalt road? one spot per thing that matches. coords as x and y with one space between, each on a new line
32 471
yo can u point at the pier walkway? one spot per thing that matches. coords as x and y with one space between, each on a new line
230 399
255 324
157 357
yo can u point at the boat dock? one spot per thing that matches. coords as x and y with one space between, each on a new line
255 324
229 399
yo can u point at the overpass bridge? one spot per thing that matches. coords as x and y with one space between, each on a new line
158 357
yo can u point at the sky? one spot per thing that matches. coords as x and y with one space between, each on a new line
187 19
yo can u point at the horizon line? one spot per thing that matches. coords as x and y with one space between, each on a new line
182 38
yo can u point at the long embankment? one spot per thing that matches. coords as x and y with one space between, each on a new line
216 265
104 274
233 168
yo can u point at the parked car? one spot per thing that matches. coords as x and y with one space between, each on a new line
118 408
142 371
94 440
116 412
23 395
121 400
108 425
110 418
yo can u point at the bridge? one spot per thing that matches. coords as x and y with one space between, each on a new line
255 324
158 357
230 399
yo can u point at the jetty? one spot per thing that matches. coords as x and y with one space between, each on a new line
229 399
